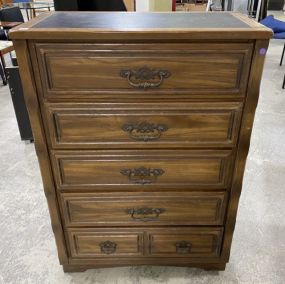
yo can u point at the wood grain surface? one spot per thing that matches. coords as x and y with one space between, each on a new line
143 126
82 71
127 209
142 132
102 170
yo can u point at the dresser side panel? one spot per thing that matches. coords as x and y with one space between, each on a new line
28 81
244 141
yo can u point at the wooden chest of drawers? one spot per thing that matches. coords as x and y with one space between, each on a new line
142 125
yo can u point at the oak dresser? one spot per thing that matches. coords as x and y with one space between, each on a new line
142 125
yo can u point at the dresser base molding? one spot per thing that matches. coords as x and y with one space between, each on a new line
70 268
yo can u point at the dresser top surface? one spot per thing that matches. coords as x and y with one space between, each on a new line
127 21
77 24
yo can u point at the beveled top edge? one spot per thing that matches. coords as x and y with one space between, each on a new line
43 27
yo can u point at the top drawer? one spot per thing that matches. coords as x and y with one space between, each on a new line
143 70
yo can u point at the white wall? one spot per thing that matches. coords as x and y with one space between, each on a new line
142 5
240 6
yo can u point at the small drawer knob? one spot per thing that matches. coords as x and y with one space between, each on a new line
183 247
108 247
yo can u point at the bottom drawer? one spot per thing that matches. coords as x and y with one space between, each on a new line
147 242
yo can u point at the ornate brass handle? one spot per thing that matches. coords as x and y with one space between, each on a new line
108 247
145 78
146 213
142 175
183 247
145 131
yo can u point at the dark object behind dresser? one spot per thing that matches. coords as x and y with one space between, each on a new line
276 4
92 5
19 104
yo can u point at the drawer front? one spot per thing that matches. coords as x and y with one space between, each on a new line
175 125
87 243
80 70
127 209
142 170
191 242
202 242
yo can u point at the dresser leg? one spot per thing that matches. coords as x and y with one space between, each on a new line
214 266
67 268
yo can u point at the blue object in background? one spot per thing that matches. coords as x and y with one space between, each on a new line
279 35
277 26
18 1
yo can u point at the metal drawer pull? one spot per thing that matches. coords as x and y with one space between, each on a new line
142 175
146 213
145 131
183 247
145 78
108 247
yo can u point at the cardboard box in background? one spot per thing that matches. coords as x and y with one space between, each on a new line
195 7
160 5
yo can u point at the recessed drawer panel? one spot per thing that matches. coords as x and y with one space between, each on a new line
87 243
148 125
192 242
166 69
127 209
142 170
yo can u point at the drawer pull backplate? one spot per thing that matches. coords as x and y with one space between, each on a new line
145 78
142 175
144 131
145 214
108 247
183 247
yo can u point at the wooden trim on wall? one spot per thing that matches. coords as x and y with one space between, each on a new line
130 5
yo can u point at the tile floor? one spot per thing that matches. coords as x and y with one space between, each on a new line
27 247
